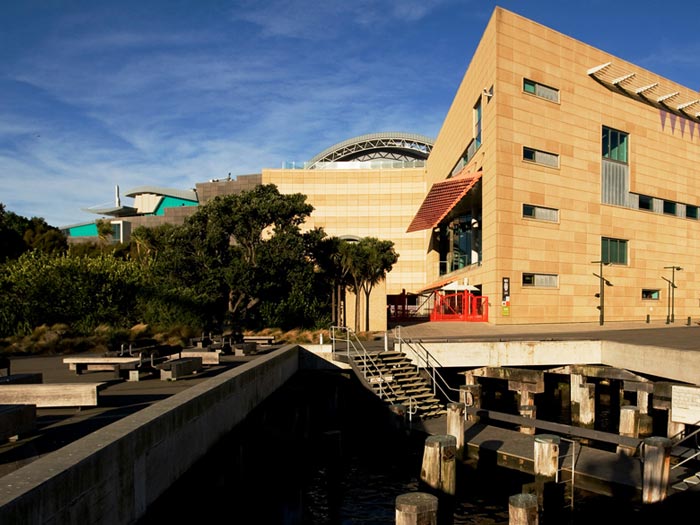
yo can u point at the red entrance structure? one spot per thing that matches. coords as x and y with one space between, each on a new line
459 305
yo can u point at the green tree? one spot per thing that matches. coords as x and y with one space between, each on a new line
366 263
225 237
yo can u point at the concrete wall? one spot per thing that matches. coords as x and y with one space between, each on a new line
671 364
113 474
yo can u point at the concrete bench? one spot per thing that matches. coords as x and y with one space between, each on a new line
23 379
261 339
208 357
175 368
16 420
51 394
98 363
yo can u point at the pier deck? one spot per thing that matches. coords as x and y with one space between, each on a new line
597 471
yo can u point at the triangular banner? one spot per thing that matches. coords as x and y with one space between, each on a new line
683 127
662 114
673 123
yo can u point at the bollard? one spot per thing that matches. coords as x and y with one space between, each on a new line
416 508
439 470
629 427
689 321
455 426
522 509
657 466
547 455
648 318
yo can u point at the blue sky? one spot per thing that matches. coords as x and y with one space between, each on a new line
174 92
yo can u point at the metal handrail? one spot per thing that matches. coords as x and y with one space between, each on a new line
573 467
442 385
366 357
697 446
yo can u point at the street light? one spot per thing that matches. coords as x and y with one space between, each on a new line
670 313
603 283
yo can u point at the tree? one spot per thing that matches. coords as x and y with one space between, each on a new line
226 235
366 263
379 259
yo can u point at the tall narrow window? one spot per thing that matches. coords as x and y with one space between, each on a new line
477 124
613 250
615 144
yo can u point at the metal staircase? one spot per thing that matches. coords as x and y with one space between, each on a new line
684 455
389 374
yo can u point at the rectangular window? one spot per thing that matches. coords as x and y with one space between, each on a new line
691 212
541 157
650 295
543 280
540 213
669 207
613 250
615 144
645 202
540 90
477 124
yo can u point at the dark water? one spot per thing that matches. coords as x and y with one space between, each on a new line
322 451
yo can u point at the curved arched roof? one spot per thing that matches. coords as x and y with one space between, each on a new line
387 145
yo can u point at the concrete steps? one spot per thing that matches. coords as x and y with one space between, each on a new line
396 380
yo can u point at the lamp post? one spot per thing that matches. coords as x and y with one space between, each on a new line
603 283
670 315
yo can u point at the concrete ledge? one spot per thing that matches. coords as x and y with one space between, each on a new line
112 475
47 395
208 357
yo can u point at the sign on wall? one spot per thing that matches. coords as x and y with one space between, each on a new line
505 297
685 404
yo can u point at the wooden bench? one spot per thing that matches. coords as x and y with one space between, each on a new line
100 363
16 420
208 357
173 369
51 394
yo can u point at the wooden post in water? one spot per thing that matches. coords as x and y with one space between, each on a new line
455 426
529 411
439 470
674 429
522 510
629 427
400 416
582 402
547 455
416 508
470 396
657 467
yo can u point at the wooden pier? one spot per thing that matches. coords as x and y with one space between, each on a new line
598 471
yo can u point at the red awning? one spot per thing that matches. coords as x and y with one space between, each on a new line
441 198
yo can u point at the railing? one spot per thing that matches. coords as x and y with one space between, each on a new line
429 363
347 337
573 467
684 438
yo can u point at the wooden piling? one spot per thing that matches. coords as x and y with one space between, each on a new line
455 426
416 508
656 470
470 396
629 427
439 469
522 510
530 412
582 402
546 455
